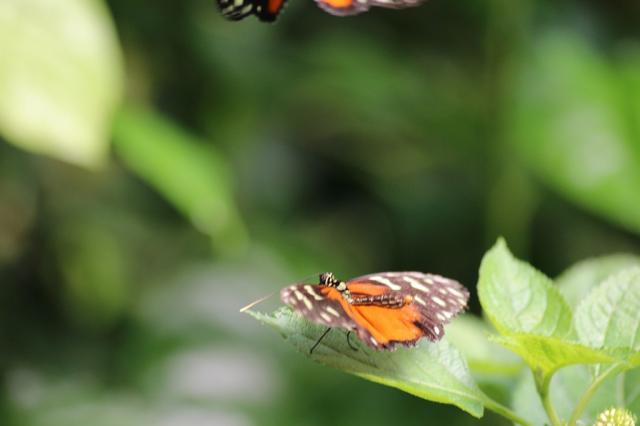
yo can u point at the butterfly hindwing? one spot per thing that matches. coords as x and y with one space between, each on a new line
435 301
354 7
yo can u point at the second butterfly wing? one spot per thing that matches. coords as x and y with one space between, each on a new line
265 10
353 7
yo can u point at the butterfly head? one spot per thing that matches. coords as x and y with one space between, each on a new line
327 278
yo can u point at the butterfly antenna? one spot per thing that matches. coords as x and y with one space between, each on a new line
262 299
254 303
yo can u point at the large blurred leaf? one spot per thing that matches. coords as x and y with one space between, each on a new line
570 125
577 281
191 175
60 77
433 371
610 316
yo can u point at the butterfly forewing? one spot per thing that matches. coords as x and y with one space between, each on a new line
442 297
314 303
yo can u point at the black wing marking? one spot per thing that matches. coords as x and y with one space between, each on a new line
437 298
236 10
310 302
265 10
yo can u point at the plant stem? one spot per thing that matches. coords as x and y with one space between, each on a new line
586 396
543 390
506 412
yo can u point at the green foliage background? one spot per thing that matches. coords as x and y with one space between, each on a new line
160 168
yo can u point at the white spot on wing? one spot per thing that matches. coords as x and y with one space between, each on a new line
312 292
415 284
307 303
419 300
385 281
441 317
437 330
332 311
373 341
455 292
439 301
325 317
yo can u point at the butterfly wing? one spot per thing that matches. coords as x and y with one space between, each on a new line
265 10
353 7
434 301
319 304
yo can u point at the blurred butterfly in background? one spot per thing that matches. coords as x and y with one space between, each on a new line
384 309
268 10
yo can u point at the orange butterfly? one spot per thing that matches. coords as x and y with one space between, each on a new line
268 10
384 309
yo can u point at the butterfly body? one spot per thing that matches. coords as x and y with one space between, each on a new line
384 309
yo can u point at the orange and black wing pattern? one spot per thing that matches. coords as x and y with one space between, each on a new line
268 10
265 10
384 309
353 7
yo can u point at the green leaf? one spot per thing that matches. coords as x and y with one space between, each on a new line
534 319
547 354
577 281
568 121
519 299
190 174
609 317
60 78
432 371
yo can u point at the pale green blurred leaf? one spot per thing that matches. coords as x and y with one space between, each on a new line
192 175
470 335
60 77
577 281
609 316
568 121
433 371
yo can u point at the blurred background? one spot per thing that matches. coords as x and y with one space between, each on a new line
161 167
